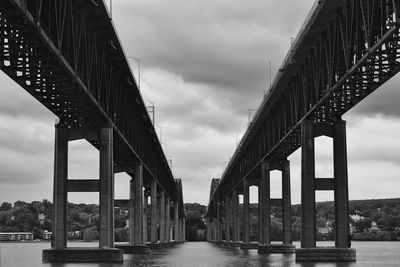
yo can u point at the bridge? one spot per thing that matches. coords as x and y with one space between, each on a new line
344 51
68 56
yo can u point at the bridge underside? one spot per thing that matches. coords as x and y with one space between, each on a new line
68 56
345 50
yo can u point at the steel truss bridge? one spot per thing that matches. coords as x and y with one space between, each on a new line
68 56
345 50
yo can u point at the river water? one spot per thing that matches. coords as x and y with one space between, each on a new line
205 255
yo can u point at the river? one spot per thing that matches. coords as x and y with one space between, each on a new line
205 255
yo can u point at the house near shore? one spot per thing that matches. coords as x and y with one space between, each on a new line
16 236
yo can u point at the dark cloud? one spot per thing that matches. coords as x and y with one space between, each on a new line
204 64
16 102
221 43
385 100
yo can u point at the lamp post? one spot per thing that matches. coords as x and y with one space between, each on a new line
166 149
270 74
159 127
250 117
138 62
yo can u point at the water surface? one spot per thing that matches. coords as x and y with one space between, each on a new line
203 254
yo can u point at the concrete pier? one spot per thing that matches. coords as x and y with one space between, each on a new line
308 250
286 204
154 230
105 185
168 220
60 188
176 222
162 217
228 219
264 204
235 218
219 224
246 212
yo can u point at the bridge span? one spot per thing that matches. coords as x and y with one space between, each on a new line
68 56
344 51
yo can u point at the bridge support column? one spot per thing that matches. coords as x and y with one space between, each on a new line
235 218
162 217
228 219
183 230
60 188
176 222
208 229
136 214
264 204
308 250
246 214
154 230
219 224
106 188
341 185
105 185
286 204
138 198
145 216
167 220
308 233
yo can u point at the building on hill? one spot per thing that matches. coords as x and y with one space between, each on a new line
16 236
47 235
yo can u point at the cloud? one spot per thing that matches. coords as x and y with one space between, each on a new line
204 64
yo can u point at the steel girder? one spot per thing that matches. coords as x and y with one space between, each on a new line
67 55
345 50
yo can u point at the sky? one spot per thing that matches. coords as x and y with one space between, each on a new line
204 64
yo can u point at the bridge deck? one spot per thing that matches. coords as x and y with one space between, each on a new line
344 51
68 56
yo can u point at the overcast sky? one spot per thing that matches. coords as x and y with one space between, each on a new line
203 65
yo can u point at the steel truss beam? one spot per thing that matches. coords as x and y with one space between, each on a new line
345 51
67 55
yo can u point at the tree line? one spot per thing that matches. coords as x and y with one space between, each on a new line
377 219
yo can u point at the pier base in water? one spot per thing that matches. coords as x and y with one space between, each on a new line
326 254
82 255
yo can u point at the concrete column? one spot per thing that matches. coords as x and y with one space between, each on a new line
235 218
162 217
184 229
154 230
131 211
246 211
59 240
167 221
176 221
145 212
180 237
341 185
286 203
138 200
264 200
106 188
215 239
308 239
208 229
219 228
228 219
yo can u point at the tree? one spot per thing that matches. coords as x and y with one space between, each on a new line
5 206
90 234
362 225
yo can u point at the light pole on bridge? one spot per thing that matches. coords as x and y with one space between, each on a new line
270 71
138 63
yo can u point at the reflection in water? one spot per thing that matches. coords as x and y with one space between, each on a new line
204 255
